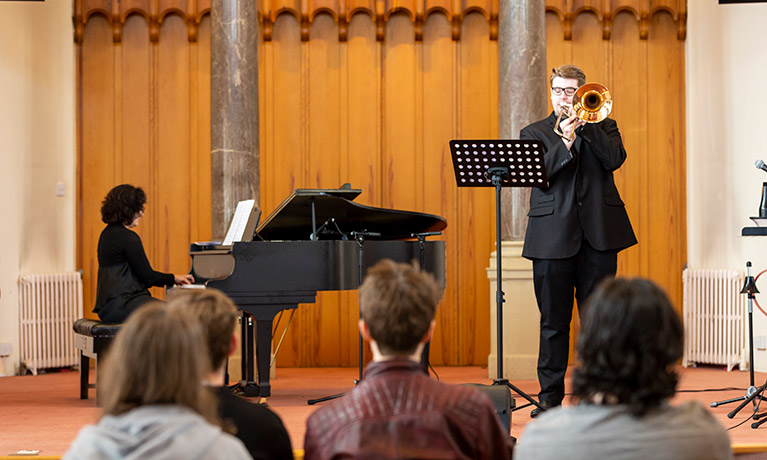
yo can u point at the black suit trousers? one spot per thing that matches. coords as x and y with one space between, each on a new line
557 282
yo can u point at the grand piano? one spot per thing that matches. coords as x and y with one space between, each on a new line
316 240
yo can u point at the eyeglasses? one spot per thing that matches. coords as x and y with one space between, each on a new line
558 91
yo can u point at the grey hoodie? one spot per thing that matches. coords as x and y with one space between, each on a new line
155 432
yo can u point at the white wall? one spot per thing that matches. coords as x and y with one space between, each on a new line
37 150
726 73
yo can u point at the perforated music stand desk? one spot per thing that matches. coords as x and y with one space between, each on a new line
499 163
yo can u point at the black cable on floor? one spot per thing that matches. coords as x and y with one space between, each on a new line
711 389
436 376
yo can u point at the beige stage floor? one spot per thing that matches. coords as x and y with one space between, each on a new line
45 413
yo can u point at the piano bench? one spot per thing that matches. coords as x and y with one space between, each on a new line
91 338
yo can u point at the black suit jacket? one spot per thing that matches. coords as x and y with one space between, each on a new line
581 200
260 429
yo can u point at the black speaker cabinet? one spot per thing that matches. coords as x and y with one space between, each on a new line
500 396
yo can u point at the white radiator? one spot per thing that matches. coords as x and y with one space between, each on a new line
49 305
714 315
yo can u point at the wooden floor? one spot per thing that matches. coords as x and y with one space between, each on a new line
45 413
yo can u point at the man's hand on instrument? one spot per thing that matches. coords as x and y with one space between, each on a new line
568 127
183 279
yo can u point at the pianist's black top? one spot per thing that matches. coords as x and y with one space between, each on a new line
124 274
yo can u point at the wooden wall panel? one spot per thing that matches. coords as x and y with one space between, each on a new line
363 111
200 201
666 177
332 339
374 104
171 229
441 197
478 110
284 156
97 163
558 50
135 69
133 98
588 49
361 136
629 86
401 163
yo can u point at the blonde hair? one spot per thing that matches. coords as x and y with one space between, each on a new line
568 71
398 303
158 357
218 317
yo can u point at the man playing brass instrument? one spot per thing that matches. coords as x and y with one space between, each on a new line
576 226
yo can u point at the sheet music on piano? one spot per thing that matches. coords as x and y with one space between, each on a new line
239 225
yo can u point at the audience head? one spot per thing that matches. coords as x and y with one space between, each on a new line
397 303
123 204
158 357
629 342
568 71
218 317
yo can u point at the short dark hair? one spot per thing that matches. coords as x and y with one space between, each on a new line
628 345
122 203
217 315
398 302
568 71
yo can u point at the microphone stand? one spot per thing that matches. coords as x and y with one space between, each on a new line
422 265
752 392
359 237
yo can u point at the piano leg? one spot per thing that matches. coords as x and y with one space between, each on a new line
264 318
247 385
264 356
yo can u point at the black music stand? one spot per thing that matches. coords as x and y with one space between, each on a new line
499 163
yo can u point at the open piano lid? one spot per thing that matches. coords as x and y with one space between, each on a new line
292 220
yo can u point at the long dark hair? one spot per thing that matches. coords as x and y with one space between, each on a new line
630 340
122 203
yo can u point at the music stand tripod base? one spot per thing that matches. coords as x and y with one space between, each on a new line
499 163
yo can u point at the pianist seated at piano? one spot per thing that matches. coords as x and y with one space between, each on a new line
125 273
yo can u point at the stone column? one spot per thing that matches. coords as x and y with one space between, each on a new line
234 135
522 93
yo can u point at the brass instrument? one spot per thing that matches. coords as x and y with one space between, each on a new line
592 103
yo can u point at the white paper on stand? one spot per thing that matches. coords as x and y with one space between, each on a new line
239 222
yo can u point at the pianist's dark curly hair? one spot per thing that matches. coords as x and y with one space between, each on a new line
628 345
122 203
